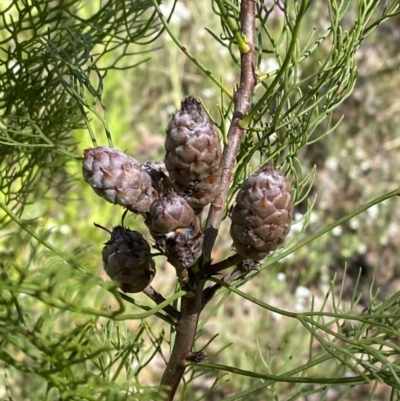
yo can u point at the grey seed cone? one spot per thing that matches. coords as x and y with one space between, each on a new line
118 178
262 215
176 228
126 260
193 154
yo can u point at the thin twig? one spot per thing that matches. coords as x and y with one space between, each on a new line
242 99
242 269
188 54
158 299
224 264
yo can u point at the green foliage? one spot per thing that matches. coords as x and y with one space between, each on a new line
78 74
52 81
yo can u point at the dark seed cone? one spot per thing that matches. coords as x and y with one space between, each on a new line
127 260
193 155
176 228
118 178
262 215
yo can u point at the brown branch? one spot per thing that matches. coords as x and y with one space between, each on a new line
158 299
218 267
185 333
168 319
191 306
242 99
242 269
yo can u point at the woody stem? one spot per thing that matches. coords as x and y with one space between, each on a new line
242 99
191 306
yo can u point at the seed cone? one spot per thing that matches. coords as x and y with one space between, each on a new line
193 155
126 260
176 228
118 178
262 215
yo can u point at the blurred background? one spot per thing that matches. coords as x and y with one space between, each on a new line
355 163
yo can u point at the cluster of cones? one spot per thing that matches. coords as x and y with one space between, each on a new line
171 195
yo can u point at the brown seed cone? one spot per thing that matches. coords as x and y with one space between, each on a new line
262 215
176 228
127 260
118 178
193 155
